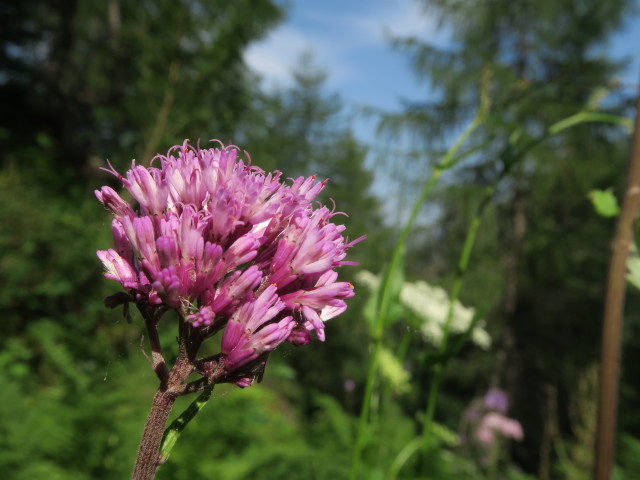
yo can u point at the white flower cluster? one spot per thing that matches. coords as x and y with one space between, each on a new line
431 305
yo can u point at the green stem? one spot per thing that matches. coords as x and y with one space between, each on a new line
448 161
364 413
455 293
494 457
589 117
383 308
405 454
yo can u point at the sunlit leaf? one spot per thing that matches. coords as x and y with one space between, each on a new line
392 370
604 202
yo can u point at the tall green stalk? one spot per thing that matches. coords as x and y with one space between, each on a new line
385 295
463 263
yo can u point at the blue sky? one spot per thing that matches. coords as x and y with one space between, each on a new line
349 39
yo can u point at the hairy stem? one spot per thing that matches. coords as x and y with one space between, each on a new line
148 452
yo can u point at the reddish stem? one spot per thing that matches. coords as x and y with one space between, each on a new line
149 450
614 307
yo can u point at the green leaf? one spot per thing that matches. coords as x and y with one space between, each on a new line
174 430
604 202
340 421
391 369
445 435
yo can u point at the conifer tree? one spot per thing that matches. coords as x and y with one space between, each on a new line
124 79
541 260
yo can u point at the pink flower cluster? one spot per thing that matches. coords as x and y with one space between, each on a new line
494 423
231 246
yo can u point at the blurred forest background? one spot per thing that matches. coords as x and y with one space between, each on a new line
82 82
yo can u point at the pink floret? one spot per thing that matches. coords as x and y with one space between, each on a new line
238 247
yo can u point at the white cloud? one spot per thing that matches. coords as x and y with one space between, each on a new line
338 39
371 24
407 18
276 56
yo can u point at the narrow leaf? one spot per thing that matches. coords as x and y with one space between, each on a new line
174 430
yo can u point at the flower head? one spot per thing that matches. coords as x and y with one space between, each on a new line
496 399
486 419
494 423
228 246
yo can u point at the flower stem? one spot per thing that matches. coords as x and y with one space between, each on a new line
149 450
147 461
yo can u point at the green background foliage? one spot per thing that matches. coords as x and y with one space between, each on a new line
85 81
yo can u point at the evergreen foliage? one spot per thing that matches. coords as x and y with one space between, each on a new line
84 81
541 258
